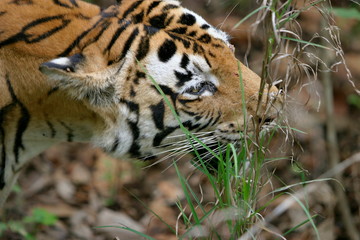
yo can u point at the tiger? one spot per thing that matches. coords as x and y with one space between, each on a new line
127 79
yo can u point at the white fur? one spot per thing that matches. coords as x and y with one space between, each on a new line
61 61
216 33
163 73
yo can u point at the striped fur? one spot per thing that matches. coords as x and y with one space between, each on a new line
70 72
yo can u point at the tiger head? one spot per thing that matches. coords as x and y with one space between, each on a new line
140 53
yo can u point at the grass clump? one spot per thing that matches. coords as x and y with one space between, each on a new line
241 174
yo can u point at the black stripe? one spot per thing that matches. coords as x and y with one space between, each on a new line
207 61
73 2
132 91
138 18
158 113
170 6
205 126
205 26
133 107
78 39
216 45
205 38
115 144
70 133
30 37
21 127
59 3
116 36
139 76
53 90
187 19
52 129
81 16
135 147
192 34
217 118
104 26
22 2
189 113
183 78
167 50
179 30
191 126
150 30
131 8
22 123
185 42
159 137
3 112
110 13
168 22
128 43
143 48
168 91
152 6
184 61
211 54
185 101
158 21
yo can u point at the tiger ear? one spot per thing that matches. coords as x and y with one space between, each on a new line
85 78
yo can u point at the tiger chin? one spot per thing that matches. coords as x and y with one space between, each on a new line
70 72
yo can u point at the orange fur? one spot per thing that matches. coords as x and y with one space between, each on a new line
94 83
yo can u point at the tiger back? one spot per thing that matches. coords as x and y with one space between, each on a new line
71 72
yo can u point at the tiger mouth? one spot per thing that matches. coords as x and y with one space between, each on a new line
207 147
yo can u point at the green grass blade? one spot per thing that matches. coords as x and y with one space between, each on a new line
306 211
248 16
187 194
305 42
299 225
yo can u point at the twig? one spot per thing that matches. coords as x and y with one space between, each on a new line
342 166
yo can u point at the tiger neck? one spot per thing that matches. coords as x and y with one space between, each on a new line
34 115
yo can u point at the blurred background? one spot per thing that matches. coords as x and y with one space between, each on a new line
73 187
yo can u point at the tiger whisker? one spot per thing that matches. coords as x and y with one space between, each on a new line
203 140
169 150
190 147
165 158
197 134
183 150
179 142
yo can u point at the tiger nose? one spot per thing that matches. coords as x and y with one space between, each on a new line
265 120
